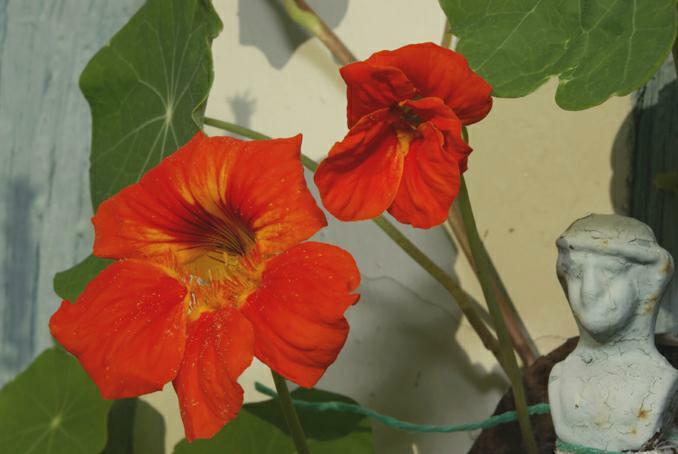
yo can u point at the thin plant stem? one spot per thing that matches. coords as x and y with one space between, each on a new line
508 358
304 15
675 55
460 296
522 341
309 163
290 414
474 312
446 40
454 227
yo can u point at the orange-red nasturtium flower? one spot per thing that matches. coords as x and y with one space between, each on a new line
404 151
211 271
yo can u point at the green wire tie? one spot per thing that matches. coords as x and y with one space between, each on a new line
492 421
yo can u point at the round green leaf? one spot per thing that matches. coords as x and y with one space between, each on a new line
147 90
598 48
52 408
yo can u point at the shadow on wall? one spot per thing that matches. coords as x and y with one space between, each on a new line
243 107
621 164
21 265
265 25
655 119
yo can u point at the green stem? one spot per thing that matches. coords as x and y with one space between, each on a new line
454 227
675 55
309 163
471 309
460 296
520 336
304 15
290 414
522 341
236 129
508 357
446 40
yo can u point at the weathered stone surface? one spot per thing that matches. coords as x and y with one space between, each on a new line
614 391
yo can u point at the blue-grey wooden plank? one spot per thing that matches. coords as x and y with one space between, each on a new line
44 146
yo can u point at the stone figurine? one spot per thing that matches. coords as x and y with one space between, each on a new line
614 391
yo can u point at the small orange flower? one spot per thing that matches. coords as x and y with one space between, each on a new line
211 271
404 151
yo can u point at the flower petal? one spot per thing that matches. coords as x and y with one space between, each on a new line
360 177
298 311
431 181
370 88
438 114
219 348
128 328
443 73
214 193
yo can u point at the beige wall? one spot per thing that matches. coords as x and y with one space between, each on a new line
534 170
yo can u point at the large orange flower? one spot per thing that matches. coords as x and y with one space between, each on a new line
404 151
211 271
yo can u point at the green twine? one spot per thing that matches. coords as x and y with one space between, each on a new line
389 421
577 449
492 421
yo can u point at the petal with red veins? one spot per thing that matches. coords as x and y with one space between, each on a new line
127 328
443 73
298 310
219 348
214 193
431 181
359 178
370 88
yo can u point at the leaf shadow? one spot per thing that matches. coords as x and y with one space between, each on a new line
265 25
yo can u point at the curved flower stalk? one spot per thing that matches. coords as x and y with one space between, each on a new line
211 271
404 152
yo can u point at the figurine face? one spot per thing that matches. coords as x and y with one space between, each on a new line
600 288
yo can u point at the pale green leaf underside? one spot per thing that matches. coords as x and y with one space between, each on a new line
52 408
260 429
147 90
598 48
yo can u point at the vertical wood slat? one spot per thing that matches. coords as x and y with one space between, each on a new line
44 146
656 151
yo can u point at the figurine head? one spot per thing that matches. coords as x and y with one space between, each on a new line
612 269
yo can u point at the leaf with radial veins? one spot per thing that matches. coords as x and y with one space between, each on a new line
147 90
598 48
52 408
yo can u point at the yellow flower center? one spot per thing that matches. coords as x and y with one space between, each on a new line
224 267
